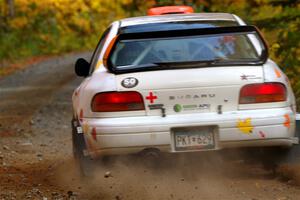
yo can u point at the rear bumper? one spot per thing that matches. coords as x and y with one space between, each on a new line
269 127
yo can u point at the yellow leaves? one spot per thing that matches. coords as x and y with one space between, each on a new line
262 1
95 5
19 23
275 46
267 11
80 16
245 126
126 2
83 24
45 37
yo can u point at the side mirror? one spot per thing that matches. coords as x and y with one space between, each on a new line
82 67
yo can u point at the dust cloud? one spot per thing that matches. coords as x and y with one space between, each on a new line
207 175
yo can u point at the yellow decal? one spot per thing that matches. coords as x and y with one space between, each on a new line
287 122
85 128
245 126
278 73
99 63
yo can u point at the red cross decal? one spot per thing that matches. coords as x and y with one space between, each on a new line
151 97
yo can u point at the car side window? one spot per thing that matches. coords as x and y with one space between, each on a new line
98 49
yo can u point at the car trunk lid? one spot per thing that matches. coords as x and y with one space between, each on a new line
197 90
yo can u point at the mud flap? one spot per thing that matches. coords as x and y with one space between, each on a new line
297 147
79 137
298 125
84 161
293 156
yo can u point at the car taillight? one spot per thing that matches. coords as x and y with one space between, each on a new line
262 93
117 101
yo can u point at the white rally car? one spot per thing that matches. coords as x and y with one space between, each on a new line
181 83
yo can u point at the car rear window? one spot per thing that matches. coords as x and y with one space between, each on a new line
168 50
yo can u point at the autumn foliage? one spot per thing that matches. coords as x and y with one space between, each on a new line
55 26
39 27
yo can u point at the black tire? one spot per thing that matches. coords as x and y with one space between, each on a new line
292 157
274 157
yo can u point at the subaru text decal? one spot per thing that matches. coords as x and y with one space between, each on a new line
189 96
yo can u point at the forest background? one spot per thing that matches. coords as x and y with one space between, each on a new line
33 28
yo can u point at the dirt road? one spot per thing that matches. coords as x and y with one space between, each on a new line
36 153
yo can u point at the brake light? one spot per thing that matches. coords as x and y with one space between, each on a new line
262 93
117 101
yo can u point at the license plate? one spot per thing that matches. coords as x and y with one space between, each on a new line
194 138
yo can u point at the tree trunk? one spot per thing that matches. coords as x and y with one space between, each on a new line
10 8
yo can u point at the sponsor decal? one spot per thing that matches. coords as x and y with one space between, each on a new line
179 107
85 128
204 106
129 82
190 107
277 72
249 77
244 77
245 126
151 97
192 96
99 63
287 122
262 134
94 134
81 115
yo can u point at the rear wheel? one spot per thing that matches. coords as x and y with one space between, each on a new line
274 157
84 163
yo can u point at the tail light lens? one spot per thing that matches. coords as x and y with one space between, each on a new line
262 93
117 101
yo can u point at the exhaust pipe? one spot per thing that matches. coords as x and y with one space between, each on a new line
151 157
151 153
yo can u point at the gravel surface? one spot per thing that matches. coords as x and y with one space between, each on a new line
36 153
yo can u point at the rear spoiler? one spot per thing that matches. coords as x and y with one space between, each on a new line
183 33
190 32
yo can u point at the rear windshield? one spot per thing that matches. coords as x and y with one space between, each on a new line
187 51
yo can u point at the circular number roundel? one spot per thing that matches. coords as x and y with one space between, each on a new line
129 82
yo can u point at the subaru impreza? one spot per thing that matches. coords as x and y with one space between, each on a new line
181 83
